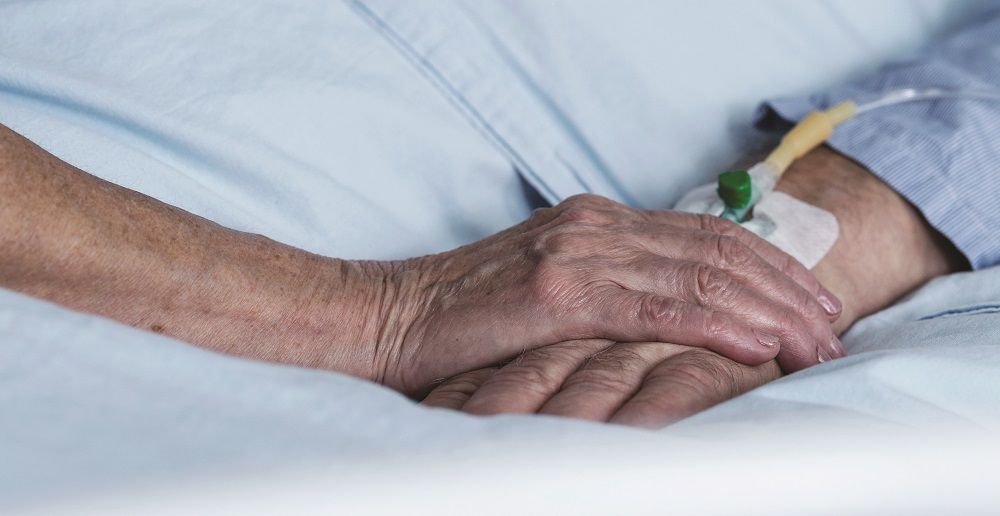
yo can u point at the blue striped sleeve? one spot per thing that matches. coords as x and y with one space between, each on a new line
944 155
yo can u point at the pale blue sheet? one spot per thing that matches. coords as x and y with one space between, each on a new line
300 123
310 123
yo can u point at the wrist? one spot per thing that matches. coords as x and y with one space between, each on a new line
117 253
371 310
337 315
885 247
265 300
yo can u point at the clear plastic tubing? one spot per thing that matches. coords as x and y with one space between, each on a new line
917 94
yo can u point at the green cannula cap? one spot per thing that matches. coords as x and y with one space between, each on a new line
735 188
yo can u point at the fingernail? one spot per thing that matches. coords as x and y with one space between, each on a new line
829 302
766 339
836 348
823 355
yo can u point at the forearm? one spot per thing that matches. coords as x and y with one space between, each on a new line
587 268
885 247
85 243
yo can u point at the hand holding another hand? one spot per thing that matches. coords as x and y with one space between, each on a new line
591 268
885 249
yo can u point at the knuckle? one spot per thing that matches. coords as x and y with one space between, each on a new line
446 398
657 411
601 380
583 215
591 200
461 386
541 214
617 360
578 213
790 326
711 285
731 253
803 305
700 371
587 209
718 225
718 325
812 311
657 309
528 375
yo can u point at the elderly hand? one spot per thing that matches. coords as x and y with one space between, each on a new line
653 384
592 268
641 384
588 268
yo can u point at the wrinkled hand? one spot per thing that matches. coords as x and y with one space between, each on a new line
654 384
639 384
592 268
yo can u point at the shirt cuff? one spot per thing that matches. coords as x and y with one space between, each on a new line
913 164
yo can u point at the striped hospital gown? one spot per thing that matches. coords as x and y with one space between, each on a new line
942 155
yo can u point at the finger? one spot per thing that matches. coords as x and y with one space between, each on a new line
744 259
801 330
632 316
738 260
687 383
525 384
600 210
742 254
599 387
455 391
810 340
777 258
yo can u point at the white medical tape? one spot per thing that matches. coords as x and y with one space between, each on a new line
800 229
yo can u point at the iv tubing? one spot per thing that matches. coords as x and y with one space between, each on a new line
915 94
818 126
815 128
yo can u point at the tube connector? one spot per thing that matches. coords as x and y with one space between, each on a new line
761 179
735 188
740 190
808 134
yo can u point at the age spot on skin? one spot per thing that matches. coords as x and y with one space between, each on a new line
157 328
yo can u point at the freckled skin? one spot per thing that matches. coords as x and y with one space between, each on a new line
588 268
85 243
